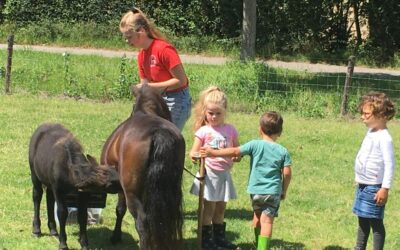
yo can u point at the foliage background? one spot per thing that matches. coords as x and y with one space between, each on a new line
318 30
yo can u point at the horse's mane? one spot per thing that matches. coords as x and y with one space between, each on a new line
73 148
150 101
89 171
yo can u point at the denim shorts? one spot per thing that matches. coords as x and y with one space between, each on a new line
364 204
266 203
180 105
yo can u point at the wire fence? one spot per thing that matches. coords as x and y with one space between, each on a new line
315 94
310 94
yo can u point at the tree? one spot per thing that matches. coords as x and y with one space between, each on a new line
384 28
2 4
356 7
248 50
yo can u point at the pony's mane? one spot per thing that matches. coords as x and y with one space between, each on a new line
150 101
89 172
73 148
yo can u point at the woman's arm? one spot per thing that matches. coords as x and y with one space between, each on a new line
144 81
179 79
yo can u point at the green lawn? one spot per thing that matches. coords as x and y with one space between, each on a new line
316 215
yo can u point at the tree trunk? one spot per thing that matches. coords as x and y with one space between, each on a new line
357 22
248 49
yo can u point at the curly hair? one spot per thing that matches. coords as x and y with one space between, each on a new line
382 106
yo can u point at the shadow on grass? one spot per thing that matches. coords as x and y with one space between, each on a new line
282 244
276 244
238 214
191 243
246 215
99 238
242 214
335 248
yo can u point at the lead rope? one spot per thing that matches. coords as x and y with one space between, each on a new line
190 173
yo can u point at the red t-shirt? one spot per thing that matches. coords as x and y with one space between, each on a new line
155 62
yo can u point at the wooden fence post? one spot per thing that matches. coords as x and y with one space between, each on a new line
349 74
10 41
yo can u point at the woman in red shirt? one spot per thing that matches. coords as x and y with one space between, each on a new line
159 64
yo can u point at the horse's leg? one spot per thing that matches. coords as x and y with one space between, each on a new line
37 193
51 222
62 214
82 219
120 211
136 209
132 162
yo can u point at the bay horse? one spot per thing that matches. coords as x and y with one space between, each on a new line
149 152
57 161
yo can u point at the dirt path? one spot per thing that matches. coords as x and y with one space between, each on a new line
195 59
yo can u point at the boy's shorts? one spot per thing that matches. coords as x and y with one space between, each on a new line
266 203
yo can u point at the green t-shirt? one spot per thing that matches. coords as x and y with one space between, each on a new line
266 164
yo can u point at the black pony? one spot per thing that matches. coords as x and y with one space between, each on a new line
149 152
57 161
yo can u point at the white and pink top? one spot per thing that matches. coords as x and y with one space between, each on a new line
218 137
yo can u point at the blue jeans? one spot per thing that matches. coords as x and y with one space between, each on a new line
180 105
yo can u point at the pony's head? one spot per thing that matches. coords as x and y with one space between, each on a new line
150 101
86 173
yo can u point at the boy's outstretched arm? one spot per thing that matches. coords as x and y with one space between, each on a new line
286 177
232 152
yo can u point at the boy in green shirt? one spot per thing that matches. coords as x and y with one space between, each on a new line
270 174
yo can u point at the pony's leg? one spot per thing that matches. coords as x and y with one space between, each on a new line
136 209
51 222
37 193
82 220
120 211
62 214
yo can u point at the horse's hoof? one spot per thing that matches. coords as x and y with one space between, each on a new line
37 234
53 233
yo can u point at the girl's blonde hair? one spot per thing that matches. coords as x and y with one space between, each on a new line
135 19
211 95
382 106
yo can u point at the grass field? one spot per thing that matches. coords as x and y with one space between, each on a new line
316 215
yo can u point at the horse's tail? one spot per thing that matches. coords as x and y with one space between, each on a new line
162 193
